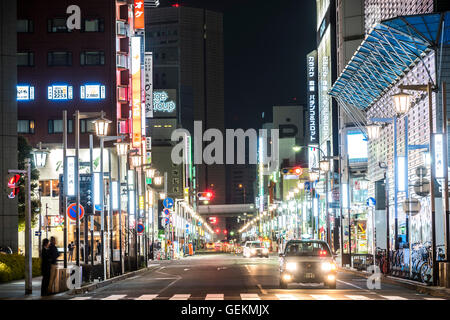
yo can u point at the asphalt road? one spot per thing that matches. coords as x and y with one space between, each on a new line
230 277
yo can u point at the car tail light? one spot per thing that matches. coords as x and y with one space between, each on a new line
322 253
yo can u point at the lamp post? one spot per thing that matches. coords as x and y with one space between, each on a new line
136 162
241 186
325 168
122 149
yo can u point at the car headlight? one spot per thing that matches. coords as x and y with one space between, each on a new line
253 251
328 266
265 250
291 266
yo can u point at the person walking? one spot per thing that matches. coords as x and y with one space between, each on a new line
45 267
71 248
99 248
82 250
54 254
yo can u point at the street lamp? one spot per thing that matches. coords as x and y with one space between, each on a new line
402 102
373 131
101 126
296 148
122 148
150 173
40 156
324 165
136 160
158 180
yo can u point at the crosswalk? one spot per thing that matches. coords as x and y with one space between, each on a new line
256 296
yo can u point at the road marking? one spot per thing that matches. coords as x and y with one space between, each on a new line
115 297
81 298
147 297
262 290
248 269
186 269
322 297
131 278
282 296
393 297
351 284
434 299
250 296
214 296
180 297
355 297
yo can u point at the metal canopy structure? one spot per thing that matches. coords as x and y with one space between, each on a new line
389 51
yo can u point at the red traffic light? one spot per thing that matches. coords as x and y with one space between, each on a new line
205 196
217 230
213 220
225 231
298 171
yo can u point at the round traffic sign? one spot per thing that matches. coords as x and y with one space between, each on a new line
167 220
72 211
140 228
166 211
168 203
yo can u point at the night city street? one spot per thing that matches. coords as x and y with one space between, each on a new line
225 158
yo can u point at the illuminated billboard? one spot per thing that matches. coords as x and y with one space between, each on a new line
356 146
164 103
313 107
60 92
92 92
139 21
136 91
25 93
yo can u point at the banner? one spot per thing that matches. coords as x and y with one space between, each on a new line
139 21
313 109
148 85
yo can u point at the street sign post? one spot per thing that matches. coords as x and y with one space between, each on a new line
168 203
72 211
140 228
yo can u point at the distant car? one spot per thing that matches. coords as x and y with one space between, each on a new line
307 261
5 250
255 249
210 246
218 246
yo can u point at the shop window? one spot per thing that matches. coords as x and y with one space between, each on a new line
86 126
55 188
92 58
25 126
45 188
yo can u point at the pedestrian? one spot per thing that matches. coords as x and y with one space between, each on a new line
71 248
45 267
99 248
54 254
82 250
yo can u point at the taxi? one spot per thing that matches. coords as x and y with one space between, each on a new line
307 261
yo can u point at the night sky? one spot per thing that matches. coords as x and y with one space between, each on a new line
266 43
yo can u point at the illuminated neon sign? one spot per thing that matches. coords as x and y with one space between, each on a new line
92 92
25 93
160 102
60 92
136 91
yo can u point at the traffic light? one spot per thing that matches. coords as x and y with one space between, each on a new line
212 220
217 230
225 231
205 196
298 171
12 184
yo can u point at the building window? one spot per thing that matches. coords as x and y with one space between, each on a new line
122 61
25 26
25 126
94 25
57 25
49 188
92 58
56 126
59 58
25 59
86 126
121 28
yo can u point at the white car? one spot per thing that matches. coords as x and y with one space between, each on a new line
255 248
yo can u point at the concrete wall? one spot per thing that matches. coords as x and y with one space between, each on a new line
8 115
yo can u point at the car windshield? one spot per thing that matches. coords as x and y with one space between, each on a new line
255 245
302 249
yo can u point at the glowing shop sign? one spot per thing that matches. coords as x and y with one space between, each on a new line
160 102
139 21
136 91
92 91
60 92
25 93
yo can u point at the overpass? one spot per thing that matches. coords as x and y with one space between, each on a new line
227 210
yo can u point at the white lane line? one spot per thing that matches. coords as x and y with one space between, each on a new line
356 297
393 297
214 296
147 297
180 297
186 269
322 297
250 296
115 297
248 269
81 298
434 299
351 284
262 290
282 296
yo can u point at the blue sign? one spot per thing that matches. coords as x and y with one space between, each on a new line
168 203
166 211
37 233
167 220
371 202
140 228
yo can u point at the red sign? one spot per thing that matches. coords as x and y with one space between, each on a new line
72 211
139 21
213 220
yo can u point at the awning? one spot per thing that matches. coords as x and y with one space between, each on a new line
389 50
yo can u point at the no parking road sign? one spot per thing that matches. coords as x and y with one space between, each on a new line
140 228
72 211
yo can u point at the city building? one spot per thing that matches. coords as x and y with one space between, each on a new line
8 110
187 47
240 183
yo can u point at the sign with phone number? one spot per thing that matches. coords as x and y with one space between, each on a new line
60 92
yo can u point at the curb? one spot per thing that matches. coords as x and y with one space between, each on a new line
107 282
409 284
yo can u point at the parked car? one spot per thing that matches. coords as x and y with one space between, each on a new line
5 250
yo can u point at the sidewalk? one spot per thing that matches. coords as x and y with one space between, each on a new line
414 285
